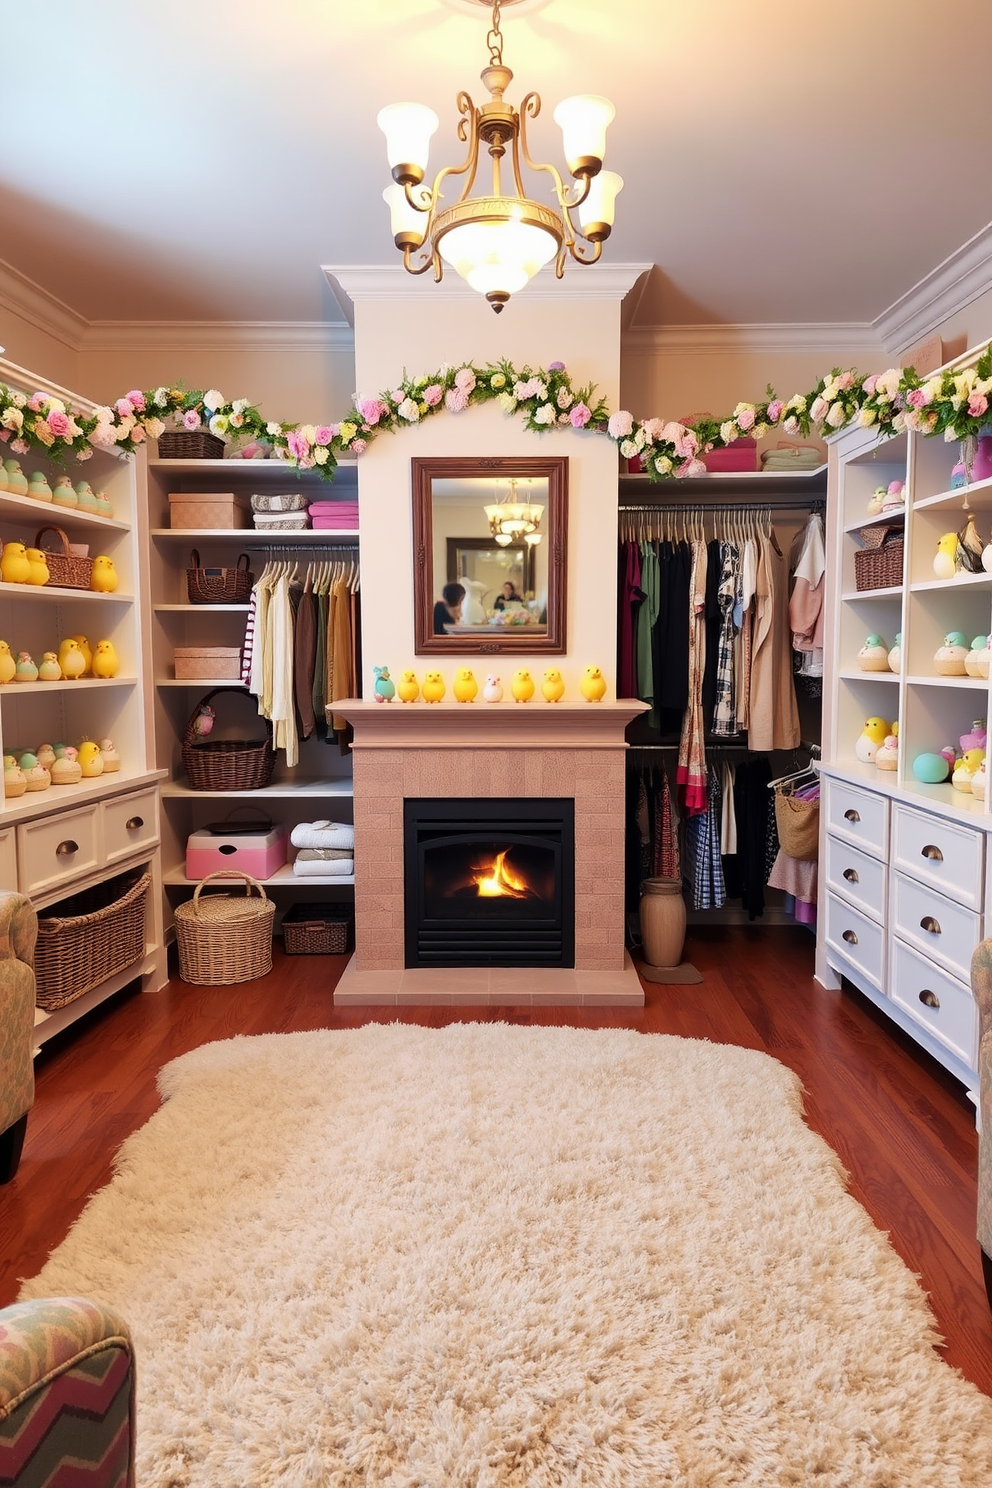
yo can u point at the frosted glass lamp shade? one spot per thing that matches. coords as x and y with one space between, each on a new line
406 223
583 121
533 538
597 212
408 128
497 257
504 539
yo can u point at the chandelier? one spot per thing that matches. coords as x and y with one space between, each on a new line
497 241
510 519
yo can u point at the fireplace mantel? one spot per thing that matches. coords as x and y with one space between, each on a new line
453 725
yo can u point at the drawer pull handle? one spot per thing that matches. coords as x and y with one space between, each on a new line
929 998
851 815
134 822
933 853
851 874
930 925
850 936
67 848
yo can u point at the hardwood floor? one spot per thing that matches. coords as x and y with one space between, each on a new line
903 1128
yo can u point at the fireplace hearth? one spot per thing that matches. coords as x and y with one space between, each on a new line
489 882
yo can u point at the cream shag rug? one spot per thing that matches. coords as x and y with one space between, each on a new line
486 1256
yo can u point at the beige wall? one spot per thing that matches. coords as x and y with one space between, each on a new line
38 351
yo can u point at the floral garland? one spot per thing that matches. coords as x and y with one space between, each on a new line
952 404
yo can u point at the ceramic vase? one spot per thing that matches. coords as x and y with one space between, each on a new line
662 913
981 465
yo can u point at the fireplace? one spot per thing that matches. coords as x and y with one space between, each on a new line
489 882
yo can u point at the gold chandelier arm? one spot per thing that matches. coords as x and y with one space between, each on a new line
568 197
577 249
410 263
424 199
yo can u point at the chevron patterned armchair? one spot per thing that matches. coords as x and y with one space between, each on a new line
18 933
66 1396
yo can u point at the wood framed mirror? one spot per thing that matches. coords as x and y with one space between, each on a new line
493 528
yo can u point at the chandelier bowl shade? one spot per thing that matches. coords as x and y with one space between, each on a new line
497 246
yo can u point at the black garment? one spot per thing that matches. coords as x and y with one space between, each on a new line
500 602
442 617
752 803
670 651
714 621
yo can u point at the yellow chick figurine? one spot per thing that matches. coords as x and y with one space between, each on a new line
522 686
90 759
873 736
466 686
105 662
553 685
71 660
965 769
14 565
37 566
945 561
433 687
87 651
104 579
8 666
408 688
593 684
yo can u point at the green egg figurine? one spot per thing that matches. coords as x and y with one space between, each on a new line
104 505
63 493
17 481
38 487
931 769
86 500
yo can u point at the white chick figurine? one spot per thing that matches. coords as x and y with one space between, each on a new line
492 692
945 560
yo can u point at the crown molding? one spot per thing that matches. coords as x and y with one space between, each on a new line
948 288
834 338
26 299
353 283
215 335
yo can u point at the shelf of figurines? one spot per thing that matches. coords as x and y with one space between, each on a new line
21 493
956 662
34 770
74 663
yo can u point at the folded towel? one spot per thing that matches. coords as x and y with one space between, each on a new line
326 854
340 868
328 508
323 834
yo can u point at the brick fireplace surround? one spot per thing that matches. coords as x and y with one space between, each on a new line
489 750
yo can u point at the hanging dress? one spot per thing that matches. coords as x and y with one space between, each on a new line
774 714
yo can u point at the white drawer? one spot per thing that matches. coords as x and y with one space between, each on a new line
856 877
858 816
940 928
129 823
58 849
8 859
936 1000
941 853
858 939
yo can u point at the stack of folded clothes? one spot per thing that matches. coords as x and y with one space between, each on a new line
334 516
326 849
793 457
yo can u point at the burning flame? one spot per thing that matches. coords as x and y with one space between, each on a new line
494 880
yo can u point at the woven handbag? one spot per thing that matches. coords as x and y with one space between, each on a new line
64 569
878 565
190 444
218 585
225 937
227 764
797 821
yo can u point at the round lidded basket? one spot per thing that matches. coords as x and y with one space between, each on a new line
225 938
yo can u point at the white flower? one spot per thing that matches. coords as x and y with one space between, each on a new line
837 415
791 425
309 432
798 402
964 383
236 420
662 464
759 431
54 405
628 449
218 425
507 402
545 414
240 405
899 422
84 454
565 399
728 431
409 410
541 389
160 397
950 437
13 418
866 418
154 428
887 385
213 400
320 454
818 410
933 385
563 418
273 429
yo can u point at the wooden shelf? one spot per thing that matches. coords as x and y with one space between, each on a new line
306 789
57 516
283 878
73 685
55 591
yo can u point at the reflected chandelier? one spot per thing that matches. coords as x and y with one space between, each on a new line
497 242
510 520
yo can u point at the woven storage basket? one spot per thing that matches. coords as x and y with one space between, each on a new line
797 821
227 764
317 929
293 501
281 521
878 565
190 444
218 585
225 937
65 569
87 938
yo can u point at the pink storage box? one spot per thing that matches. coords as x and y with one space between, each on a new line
259 853
741 455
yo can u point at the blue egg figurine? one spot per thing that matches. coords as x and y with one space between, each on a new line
385 687
931 769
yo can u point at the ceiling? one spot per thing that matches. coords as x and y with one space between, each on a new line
200 161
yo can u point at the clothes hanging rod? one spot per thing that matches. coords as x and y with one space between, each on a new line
304 548
814 503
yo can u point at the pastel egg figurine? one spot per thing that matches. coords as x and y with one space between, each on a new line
49 671
978 781
37 777
433 687
38 487
975 738
887 755
465 686
14 566
976 663
593 684
522 685
945 560
90 759
949 658
87 502
17 481
965 768
83 489
385 688
493 690
553 685
872 736
71 659
874 655
26 669
15 781
109 755
875 501
895 655
105 662
8 665
84 646
66 769
931 769
104 577
959 476
46 755
895 496
63 494
408 688
37 566
104 505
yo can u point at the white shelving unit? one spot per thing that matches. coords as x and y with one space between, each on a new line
320 786
111 821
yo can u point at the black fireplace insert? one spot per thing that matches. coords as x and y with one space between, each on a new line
489 882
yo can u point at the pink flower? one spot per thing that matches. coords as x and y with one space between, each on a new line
868 386
297 444
359 446
653 429
456 400
620 424
556 366
371 409
323 434
745 419
686 444
191 419
124 407
36 402
977 405
433 394
59 424
845 381
137 400
465 379
5 435
579 416
19 446
397 395
917 398
775 409
137 433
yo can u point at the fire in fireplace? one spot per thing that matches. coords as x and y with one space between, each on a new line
489 882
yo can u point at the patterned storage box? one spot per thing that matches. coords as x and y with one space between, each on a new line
291 501
282 521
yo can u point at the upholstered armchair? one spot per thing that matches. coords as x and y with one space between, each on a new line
981 986
66 1395
18 933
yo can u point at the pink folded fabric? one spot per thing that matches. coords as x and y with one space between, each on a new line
334 524
329 508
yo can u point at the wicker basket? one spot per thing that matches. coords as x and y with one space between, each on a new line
878 565
281 521
227 764
292 501
190 444
317 929
65 569
225 938
86 939
218 585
